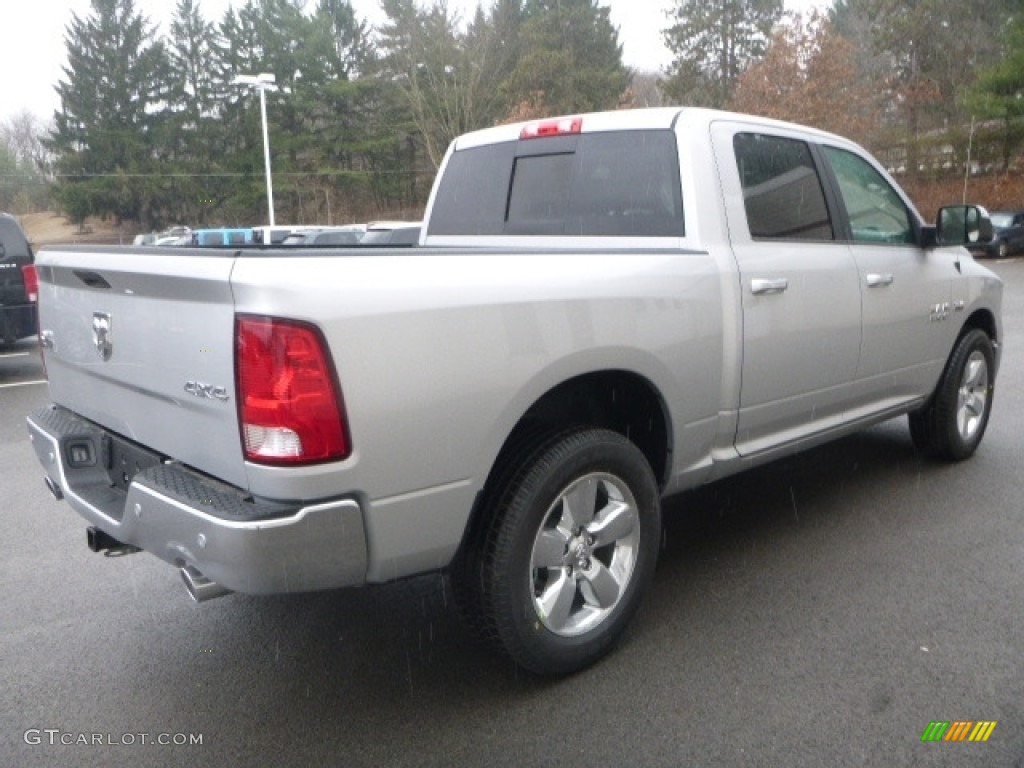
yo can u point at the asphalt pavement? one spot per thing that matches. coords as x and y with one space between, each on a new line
823 610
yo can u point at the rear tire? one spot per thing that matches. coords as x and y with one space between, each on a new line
953 422
569 551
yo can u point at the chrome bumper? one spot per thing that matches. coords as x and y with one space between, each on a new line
190 520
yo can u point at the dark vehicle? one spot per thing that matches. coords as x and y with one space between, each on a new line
17 285
1008 236
392 233
349 236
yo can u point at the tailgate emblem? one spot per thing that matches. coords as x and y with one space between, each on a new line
101 334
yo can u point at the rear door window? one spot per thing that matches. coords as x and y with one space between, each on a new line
782 192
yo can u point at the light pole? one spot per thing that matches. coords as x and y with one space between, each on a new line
263 82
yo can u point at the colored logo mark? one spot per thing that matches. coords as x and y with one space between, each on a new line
958 730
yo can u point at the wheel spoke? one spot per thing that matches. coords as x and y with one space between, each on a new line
976 403
963 423
614 522
556 600
549 549
976 374
969 415
603 583
580 503
972 398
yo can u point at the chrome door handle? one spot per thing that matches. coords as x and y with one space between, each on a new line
875 279
761 287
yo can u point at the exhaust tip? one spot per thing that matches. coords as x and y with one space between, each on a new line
199 587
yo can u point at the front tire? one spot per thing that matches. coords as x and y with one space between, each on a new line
570 551
953 422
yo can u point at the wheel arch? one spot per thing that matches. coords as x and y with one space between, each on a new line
983 320
619 400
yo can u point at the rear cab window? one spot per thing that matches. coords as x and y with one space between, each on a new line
613 184
782 192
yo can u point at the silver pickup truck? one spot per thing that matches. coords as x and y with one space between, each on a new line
602 310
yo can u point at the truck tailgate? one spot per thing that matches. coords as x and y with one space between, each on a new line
141 342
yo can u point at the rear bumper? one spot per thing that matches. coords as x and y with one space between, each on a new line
191 520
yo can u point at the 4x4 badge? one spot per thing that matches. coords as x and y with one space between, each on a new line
101 334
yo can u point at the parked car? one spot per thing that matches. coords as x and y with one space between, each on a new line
392 233
17 282
273 235
174 240
326 236
1008 236
177 235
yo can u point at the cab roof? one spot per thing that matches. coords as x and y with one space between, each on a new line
657 118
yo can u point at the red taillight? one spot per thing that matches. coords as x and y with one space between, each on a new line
289 406
560 127
31 282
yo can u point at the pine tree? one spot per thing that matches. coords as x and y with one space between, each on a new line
712 42
339 40
493 46
103 134
1000 93
570 59
187 139
192 65
423 56
236 165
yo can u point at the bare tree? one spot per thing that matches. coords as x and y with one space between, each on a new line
22 135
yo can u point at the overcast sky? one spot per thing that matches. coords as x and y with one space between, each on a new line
32 46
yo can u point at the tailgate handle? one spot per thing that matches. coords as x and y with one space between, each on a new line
92 279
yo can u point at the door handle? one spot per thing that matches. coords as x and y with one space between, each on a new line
761 287
875 279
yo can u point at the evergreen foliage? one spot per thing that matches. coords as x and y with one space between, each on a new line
713 41
155 128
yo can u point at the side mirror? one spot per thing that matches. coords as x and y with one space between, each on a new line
963 225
